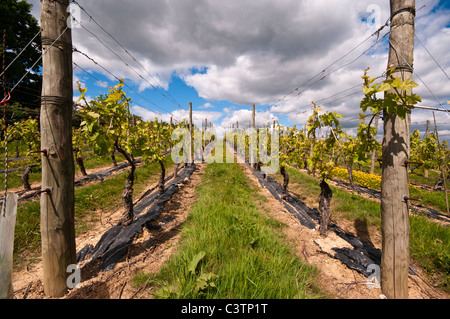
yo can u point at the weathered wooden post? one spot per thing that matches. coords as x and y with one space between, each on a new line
441 164
253 137
204 144
191 132
374 152
427 134
396 150
57 199
7 225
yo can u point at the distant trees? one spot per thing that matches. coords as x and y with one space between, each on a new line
21 27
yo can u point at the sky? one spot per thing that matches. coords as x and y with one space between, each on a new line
224 56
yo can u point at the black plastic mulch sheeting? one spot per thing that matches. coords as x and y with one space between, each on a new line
304 214
359 258
114 243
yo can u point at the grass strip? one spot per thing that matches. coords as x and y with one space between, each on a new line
229 249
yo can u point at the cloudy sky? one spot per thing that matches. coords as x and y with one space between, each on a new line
281 55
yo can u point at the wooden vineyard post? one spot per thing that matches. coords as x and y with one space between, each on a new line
204 140
394 185
7 224
374 152
204 134
191 133
427 134
57 198
441 165
171 129
252 152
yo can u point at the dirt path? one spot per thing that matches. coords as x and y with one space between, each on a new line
336 278
147 253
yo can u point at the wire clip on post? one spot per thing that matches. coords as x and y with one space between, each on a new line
406 163
405 198
48 191
44 151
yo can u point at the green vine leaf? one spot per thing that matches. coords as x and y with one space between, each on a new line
194 262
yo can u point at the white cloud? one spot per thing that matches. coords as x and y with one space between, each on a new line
147 115
198 117
87 98
250 51
243 118
206 106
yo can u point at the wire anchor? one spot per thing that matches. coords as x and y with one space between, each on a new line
405 198
406 163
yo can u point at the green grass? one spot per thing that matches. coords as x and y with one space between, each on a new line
430 247
230 250
418 177
429 242
344 204
14 178
435 200
90 200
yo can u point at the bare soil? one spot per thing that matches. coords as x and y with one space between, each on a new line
148 253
